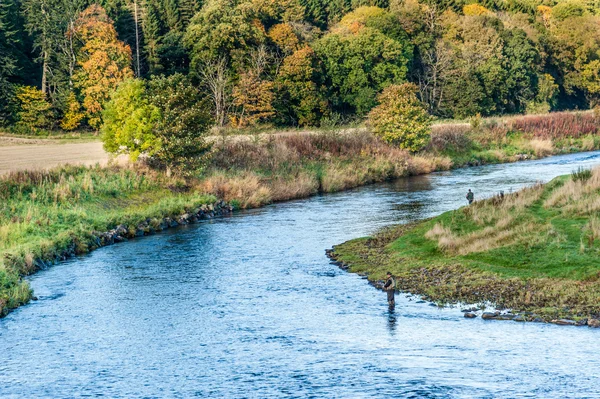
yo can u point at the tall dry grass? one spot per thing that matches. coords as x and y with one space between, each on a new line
503 221
577 196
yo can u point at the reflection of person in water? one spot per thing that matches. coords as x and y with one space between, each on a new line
390 288
391 321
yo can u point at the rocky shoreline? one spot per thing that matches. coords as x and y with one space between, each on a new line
479 311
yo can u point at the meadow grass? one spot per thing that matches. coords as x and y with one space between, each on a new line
535 250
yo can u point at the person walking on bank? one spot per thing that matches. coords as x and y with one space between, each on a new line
470 197
390 288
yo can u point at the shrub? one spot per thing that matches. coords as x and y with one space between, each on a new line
400 118
581 174
34 109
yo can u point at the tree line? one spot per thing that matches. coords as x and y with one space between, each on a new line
292 62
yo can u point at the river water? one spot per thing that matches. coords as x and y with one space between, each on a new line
249 306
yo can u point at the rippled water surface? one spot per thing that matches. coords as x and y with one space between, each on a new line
249 306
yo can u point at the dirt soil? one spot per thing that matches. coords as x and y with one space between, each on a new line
20 154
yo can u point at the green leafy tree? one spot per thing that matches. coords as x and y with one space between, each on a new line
400 118
300 99
223 28
360 61
183 124
164 119
129 121
522 62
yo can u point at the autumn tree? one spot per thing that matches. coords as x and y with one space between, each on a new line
103 60
400 118
253 93
73 114
300 97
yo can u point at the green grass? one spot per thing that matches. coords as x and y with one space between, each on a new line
536 250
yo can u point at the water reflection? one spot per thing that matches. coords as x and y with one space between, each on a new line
391 320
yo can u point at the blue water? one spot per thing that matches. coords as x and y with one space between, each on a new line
249 306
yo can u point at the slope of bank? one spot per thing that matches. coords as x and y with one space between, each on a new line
535 252
45 213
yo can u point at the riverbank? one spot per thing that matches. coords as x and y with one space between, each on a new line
48 216
47 213
529 256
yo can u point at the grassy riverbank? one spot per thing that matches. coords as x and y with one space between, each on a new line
45 214
535 251
42 213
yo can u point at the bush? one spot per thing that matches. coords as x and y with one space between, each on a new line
581 174
400 118
34 110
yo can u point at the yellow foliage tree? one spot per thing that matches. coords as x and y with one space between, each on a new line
104 61
34 109
545 14
475 9
284 37
73 115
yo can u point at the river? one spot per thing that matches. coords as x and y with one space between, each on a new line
249 306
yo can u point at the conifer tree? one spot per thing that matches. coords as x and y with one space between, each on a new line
8 62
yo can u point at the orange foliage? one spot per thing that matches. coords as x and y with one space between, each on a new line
104 61
255 98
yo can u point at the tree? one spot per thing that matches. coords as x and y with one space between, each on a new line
254 96
223 29
575 46
34 109
284 36
183 124
521 61
400 118
215 76
129 121
73 115
360 61
104 61
164 119
8 61
300 99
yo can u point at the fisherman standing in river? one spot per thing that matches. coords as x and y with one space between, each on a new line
470 197
390 288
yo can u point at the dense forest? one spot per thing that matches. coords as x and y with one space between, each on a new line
294 62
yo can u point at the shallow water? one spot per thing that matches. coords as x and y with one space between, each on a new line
249 306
